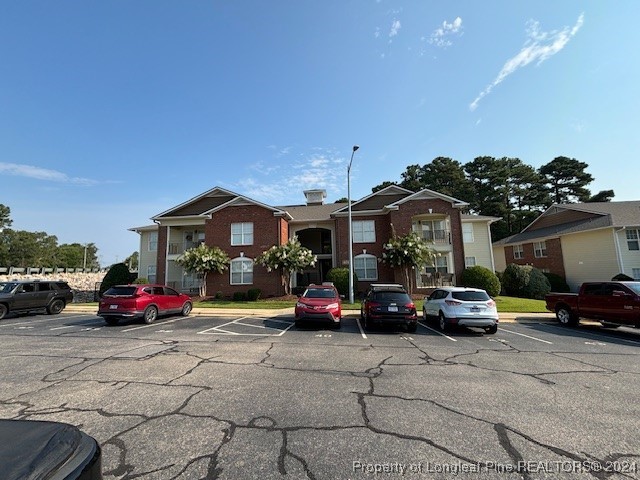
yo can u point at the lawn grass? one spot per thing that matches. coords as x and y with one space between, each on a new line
505 304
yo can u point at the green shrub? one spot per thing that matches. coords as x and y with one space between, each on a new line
557 282
524 281
481 277
253 294
219 295
118 274
239 296
514 279
538 285
621 277
141 281
340 278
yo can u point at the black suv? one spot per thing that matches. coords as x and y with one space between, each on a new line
26 295
388 303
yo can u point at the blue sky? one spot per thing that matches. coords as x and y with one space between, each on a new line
114 111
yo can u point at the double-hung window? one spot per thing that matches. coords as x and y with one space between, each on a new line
518 252
632 239
540 249
242 233
364 231
153 241
467 233
366 267
241 271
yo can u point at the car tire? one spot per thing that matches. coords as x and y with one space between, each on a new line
186 309
565 316
112 322
55 307
3 311
491 330
444 325
150 315
412 327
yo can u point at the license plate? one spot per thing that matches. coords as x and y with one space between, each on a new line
113 307
393 309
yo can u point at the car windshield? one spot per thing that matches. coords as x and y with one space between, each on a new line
635 286
471 296
391 297
120 291
319 293
7 287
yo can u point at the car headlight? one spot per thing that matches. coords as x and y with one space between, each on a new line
300 305
332 305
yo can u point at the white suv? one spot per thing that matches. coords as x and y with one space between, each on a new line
467 307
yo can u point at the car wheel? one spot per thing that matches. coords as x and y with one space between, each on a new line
186 309
3 311
111 321
565 316
444 326
55 307
491 330
412 327
609 325
150 314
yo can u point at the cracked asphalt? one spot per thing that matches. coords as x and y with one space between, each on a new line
255 397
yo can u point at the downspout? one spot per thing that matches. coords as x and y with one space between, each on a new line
493 262
616 238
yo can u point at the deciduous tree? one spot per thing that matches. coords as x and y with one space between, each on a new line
408 253
204 259
288 258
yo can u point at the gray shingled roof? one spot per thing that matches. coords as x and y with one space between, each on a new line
310 213
610 214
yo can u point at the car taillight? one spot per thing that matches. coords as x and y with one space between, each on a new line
491 303
410 305
373 305
452 303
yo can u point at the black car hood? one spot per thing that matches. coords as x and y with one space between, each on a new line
31 450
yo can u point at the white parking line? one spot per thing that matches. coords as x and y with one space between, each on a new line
154 324
218 330
527 336
361 329
437 331
100 324
43 320
595 335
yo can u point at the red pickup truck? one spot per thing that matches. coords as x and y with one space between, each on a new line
611 303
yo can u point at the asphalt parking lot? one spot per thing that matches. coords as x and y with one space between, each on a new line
245 397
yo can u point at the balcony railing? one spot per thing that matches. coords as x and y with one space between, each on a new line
176 248
437 236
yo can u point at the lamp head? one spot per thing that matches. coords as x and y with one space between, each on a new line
356 147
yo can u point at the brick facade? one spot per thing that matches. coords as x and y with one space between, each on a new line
552 263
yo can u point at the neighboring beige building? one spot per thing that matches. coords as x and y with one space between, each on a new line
581 242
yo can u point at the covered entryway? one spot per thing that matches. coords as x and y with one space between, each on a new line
320 242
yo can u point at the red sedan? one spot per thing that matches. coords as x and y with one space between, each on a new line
142 301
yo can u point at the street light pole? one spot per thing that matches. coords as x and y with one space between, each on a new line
84 262
355 147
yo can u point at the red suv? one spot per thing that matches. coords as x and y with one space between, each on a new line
319 302
142 301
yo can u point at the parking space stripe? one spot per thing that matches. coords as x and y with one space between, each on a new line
218 330
154 324
360 327
595 335
438 332
527 336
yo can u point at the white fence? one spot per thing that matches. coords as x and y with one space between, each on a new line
84 284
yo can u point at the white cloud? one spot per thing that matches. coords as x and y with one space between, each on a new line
440 36
395 28
38 173
538 47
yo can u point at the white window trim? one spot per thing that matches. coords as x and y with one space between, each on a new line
364 256
519 250
242 234
360 224
633 236
151 276
242 272
467 236
153 239
540 249
473 261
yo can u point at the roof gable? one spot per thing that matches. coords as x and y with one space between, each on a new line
209 202
378 200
